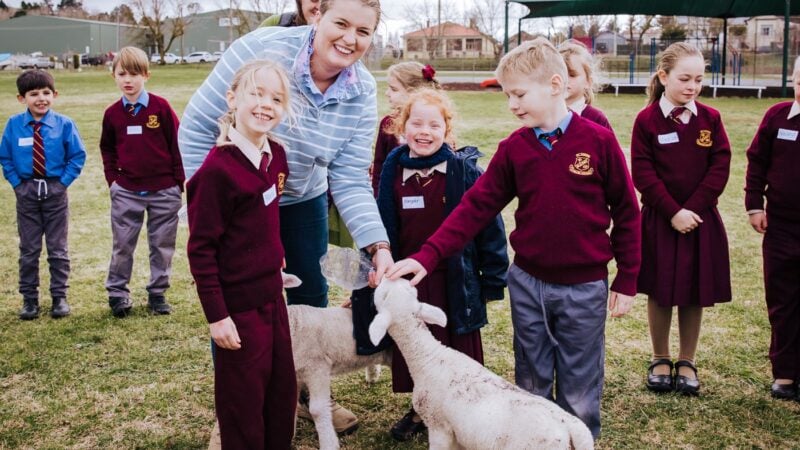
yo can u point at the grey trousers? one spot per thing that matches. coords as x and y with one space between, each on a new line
42 210
127 216
559 340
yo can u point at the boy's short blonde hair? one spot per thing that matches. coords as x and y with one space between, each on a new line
133 60
537 59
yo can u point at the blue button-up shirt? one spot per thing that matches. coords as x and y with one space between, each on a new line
64 153
141 102
563 125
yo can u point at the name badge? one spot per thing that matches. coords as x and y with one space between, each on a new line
134 129
25 142
417 202
269 195
787 135
669 138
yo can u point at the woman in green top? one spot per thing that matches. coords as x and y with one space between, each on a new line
309 16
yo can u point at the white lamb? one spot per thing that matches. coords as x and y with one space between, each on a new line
463 404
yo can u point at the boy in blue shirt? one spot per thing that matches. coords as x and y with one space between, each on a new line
41 154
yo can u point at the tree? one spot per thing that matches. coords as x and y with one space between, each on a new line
671 30
162 30
3 5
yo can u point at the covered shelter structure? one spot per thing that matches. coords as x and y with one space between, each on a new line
720 9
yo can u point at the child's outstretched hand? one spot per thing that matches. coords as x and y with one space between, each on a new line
406 266
759 221
619 304
224 334
685 221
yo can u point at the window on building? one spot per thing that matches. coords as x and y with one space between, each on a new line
414 45
455 45
766 30
474 44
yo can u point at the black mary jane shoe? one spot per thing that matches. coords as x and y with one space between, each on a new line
685 385
659 383
784 391
406 428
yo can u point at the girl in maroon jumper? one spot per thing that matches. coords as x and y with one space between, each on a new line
773 164
422 182
236 256
581 86
402 79
680 164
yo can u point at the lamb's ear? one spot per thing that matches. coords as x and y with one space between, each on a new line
290 281
431 314
379 327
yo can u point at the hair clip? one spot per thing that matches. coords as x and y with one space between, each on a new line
428 72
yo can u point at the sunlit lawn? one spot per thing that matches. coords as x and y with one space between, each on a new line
92 381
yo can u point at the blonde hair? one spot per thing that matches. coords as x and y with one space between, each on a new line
432 97
666 63
409 75
587 62
796 64
375 5
537 58
244 78
133 60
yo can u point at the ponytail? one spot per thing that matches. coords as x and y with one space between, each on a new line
654 89
225 123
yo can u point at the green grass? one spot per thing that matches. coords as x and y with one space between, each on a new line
91 381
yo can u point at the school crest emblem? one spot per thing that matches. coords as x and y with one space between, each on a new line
152 121
582 165
705 139
281 182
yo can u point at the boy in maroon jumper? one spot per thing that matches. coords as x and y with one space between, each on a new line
143 168
571 179
236 256
773 165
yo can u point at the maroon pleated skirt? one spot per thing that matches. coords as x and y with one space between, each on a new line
691 269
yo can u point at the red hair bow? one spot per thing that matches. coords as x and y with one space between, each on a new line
428 72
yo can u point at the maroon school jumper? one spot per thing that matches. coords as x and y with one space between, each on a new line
567 200
692 268
384 144
772 172
416 225
148 160
595 115
235 256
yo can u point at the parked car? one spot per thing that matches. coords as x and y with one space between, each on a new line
217 56
93 60
199 57
169 58
6 61
36 61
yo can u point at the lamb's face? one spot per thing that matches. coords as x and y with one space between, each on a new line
397 297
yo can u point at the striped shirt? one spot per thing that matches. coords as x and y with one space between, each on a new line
330 141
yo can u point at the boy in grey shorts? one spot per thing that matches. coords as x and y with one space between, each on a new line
144 172
41 154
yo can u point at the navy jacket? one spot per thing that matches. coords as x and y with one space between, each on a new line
476 274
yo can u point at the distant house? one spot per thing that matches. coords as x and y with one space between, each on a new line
607 42
765 33
448 40
54 35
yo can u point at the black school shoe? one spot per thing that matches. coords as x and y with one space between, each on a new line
60 308
405 429
120 306
158 305
30 309
784 391
659 383
685 385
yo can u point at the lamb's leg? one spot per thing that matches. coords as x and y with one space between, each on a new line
441 439
319 405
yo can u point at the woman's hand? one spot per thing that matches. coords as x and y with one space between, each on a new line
685 221
759 221
406 266
619 304
383 261
224 334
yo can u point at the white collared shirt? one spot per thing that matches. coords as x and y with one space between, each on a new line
795 110
578 106
408 173
249 149
667 107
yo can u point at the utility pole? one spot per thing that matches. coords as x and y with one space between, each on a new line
230 22
439 25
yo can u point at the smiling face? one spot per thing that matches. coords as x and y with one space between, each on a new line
344 33
310 10
130 84
258 104
535 104
38 101
683 83
395 92
425 129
